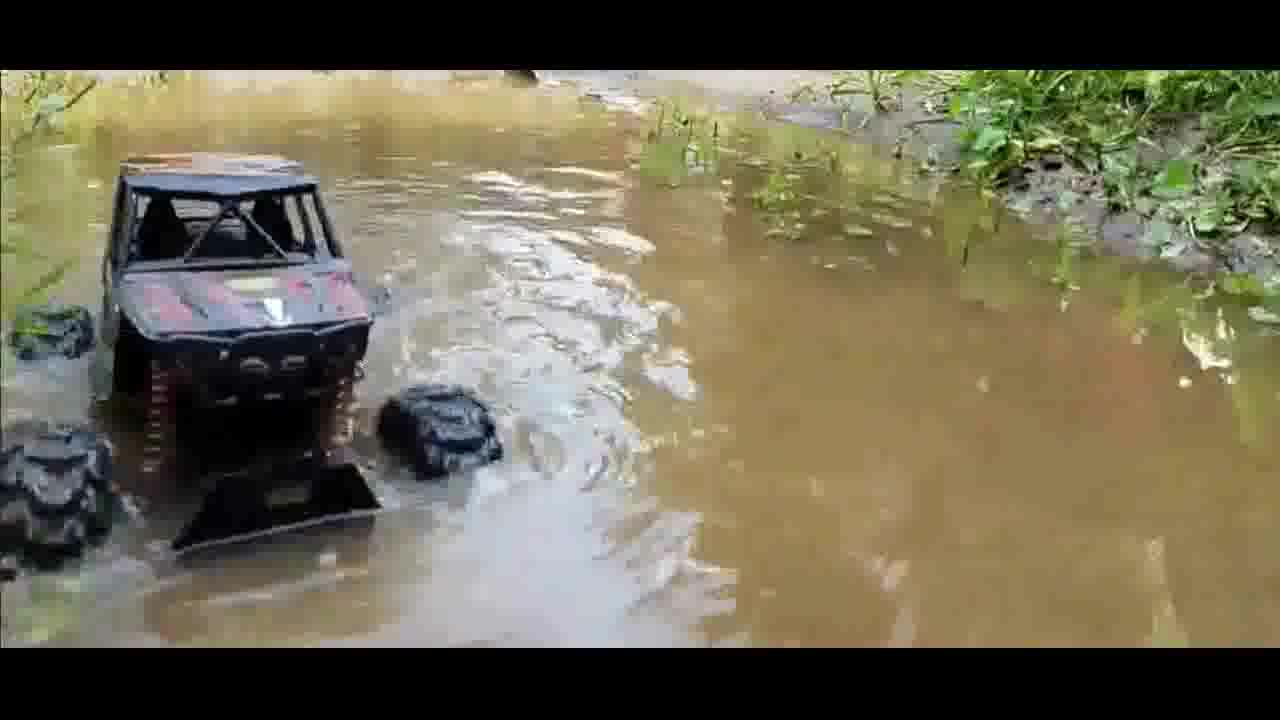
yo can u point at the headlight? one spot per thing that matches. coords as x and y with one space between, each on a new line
255 366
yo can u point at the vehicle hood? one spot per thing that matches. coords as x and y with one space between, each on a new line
160 303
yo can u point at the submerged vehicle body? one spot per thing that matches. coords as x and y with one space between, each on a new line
232 317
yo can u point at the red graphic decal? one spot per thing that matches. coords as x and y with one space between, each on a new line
345 295
167 306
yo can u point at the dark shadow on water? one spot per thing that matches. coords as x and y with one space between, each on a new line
238 508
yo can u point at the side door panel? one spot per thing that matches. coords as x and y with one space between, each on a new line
102 367
112 261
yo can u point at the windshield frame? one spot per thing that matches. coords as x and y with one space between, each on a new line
312 227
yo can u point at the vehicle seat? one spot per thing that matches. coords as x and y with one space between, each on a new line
270 215
161 234
227 240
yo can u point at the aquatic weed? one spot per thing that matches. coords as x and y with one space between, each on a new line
878 85
681 145
1199 147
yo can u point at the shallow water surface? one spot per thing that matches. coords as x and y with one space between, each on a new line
767 406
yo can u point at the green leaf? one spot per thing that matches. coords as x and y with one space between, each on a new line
1179 173
1270 108
1045 143
1208 218
1176 180
989 140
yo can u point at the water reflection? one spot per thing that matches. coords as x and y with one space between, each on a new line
818 436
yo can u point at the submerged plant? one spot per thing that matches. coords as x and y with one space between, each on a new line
680 146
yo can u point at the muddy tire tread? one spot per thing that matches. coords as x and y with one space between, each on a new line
442 428
46 523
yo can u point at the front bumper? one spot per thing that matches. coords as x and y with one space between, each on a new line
268 365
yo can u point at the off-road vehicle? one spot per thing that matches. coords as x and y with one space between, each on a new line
233 323
228 306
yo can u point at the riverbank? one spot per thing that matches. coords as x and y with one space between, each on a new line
1196 188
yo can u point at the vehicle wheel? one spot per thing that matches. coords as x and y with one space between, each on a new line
45 331
442 428
56 492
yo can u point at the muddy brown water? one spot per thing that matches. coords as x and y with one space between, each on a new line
716 434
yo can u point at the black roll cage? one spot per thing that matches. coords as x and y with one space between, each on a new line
231 208
125 224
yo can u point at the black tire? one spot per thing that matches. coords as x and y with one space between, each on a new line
56 493
44 331
443 429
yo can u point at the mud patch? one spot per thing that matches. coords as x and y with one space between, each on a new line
1251 254
521 77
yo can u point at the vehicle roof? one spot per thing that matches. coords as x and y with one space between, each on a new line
224 175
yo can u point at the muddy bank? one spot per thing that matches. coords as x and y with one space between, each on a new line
1051 190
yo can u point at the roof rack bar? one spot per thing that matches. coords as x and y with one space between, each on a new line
209 163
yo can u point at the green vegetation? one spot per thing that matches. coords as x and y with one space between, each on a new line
681 146
1195 151
34 106
884 88
1194 154
1101 119
881 85
1197 148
